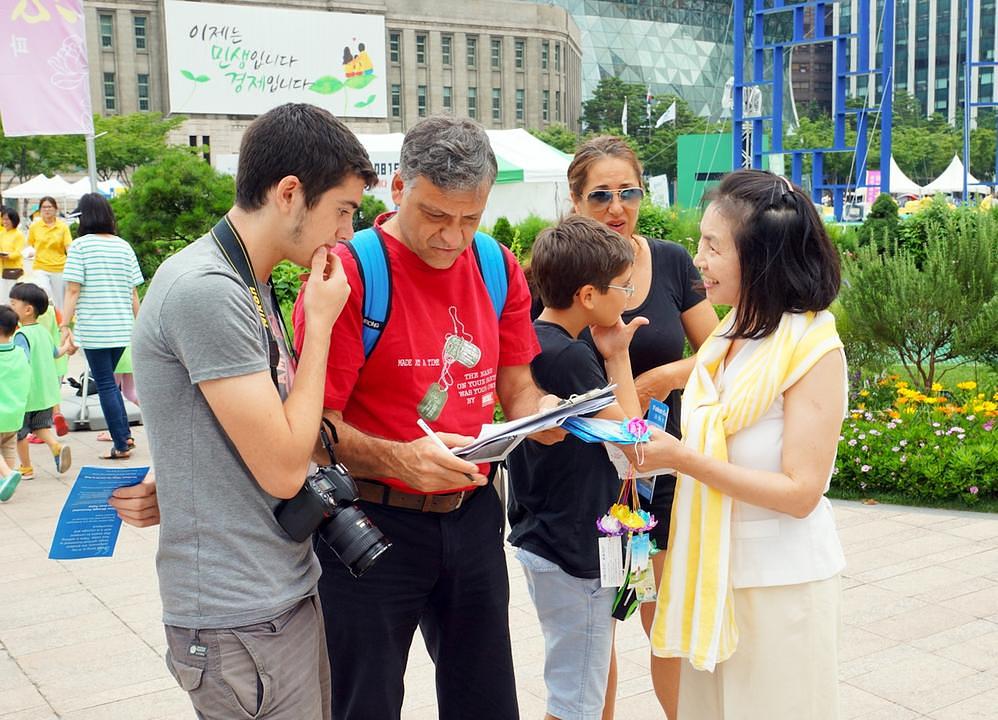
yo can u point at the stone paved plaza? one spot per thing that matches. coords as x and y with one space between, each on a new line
82 640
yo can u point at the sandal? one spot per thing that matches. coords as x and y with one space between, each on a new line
105 436
116 455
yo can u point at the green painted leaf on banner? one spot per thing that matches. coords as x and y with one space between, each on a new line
359 81
326 85
365 103
187 74
202 78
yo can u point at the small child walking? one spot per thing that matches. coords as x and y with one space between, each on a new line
15 381
29 302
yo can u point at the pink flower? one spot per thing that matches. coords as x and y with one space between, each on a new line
639 429
866 468
972 489
989 426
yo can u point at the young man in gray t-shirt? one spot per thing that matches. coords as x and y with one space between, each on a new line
243 626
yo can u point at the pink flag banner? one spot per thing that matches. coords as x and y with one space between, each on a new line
44 78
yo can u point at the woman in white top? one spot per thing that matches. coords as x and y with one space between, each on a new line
750 591
101 276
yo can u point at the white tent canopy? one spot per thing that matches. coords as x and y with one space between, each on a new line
532 174
81 187
951 181
39 186
901 184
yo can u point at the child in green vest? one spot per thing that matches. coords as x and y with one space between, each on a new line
29 302
15 380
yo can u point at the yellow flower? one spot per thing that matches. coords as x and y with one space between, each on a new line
936 387
909 411
988 406
901 384
857 416
864 393
969 385
861 406
894 414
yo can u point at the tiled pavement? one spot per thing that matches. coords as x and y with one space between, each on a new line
82 640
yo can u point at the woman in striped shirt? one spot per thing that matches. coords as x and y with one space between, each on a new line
101 275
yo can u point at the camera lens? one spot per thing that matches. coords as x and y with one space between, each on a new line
355 540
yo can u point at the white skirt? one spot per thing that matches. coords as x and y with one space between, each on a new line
786 664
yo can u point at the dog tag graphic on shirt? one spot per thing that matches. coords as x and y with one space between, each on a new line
462 351
433 401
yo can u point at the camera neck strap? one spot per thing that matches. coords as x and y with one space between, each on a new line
231 245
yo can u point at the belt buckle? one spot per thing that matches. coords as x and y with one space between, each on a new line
460 498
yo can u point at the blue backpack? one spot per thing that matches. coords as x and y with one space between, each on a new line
368 249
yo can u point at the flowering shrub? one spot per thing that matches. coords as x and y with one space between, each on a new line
939 445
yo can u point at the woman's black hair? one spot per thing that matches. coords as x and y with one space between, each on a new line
788 262
15 219
96 215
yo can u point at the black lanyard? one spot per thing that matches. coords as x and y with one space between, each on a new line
231 245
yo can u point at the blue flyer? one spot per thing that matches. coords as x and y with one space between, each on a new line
88 526
658 413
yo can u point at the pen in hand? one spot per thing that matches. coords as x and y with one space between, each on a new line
440 443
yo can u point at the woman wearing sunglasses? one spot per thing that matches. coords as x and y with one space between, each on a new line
605 182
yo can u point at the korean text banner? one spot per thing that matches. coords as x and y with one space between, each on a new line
244 60
44 80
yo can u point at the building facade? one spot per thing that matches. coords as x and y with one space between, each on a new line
930 52
682 47
505 63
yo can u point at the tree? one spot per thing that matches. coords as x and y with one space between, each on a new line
558 136
131 142
880 225
370 208
24 157
944 310
173 201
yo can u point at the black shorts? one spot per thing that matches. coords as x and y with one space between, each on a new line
661 507
35 420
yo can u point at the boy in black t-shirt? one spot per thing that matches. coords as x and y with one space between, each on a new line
582 270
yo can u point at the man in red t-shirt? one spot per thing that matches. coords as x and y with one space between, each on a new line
443 356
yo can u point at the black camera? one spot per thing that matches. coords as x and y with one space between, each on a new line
327 503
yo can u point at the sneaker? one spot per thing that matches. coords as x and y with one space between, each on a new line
34 439
8 485
63 459
27 472
60 424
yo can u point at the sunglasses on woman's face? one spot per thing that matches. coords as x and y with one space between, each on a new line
631 197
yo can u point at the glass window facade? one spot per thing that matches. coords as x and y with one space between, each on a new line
421 101
519 105
681 47
497 104
447 97
519 51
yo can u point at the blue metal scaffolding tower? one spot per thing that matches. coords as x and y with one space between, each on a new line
755 126
968 104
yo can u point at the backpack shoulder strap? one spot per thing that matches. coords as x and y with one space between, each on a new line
368 249
492 265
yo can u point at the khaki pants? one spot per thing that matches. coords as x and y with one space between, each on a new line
277 670
786 664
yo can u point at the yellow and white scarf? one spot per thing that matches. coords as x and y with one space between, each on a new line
695 617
